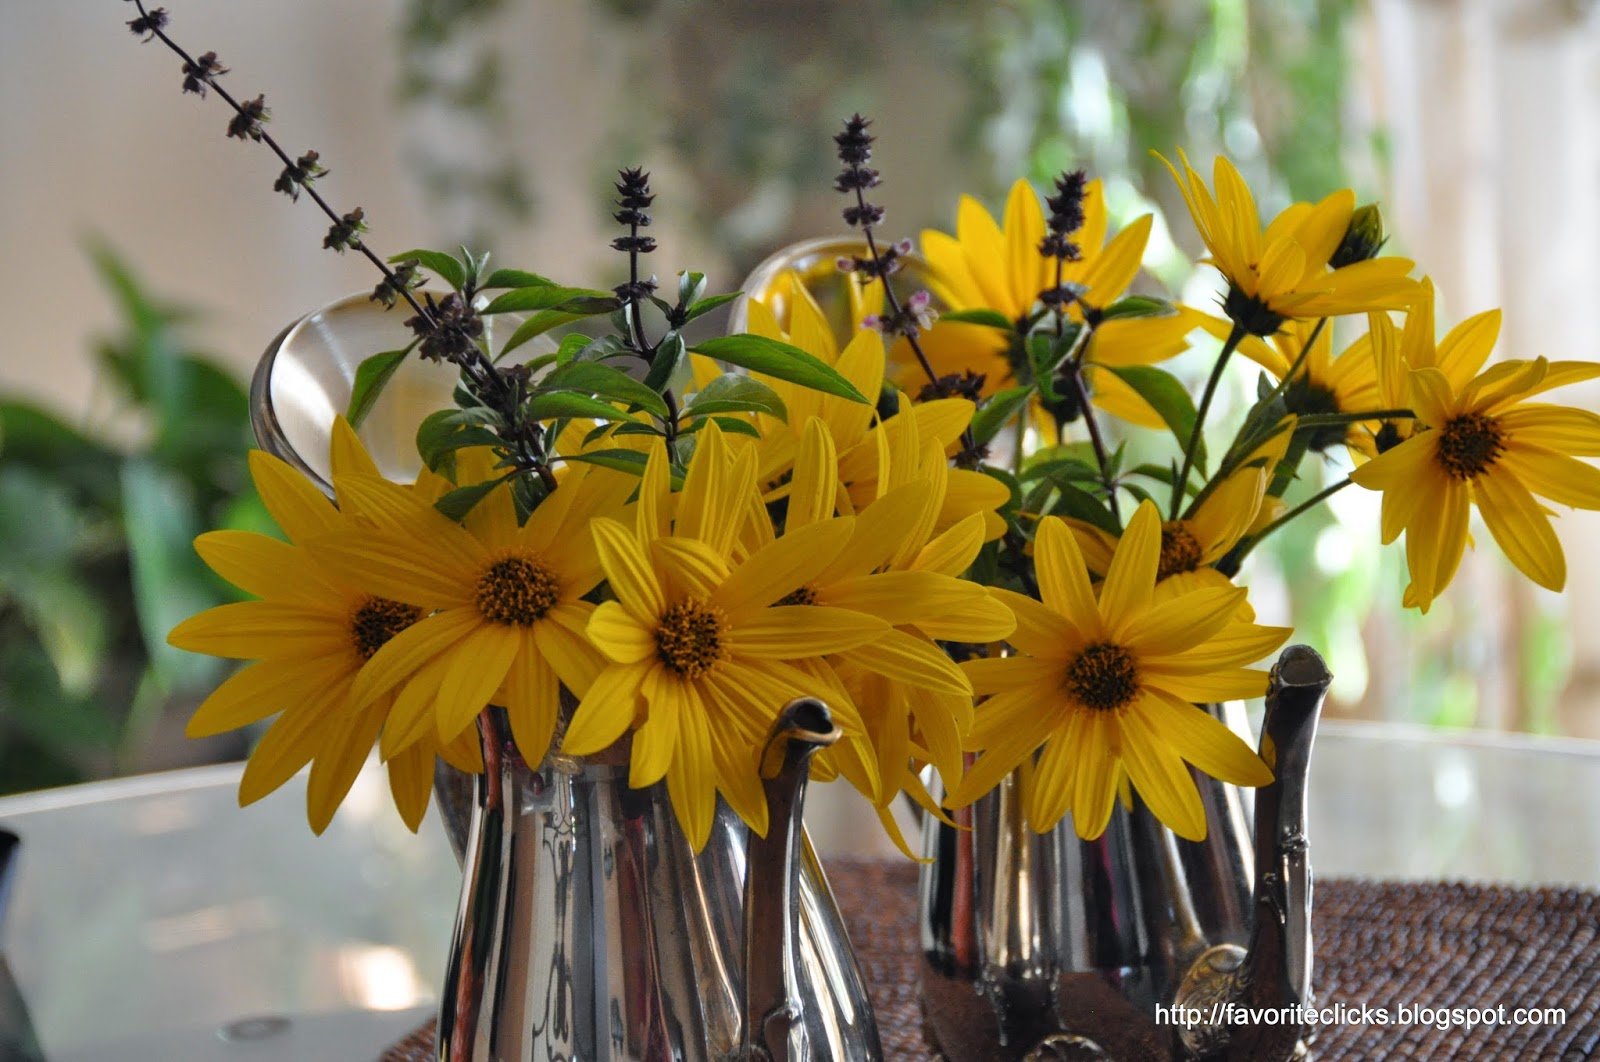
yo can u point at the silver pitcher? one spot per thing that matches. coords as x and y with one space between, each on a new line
587 928
1138 946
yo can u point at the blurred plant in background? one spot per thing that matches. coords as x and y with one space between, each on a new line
95 556
452 86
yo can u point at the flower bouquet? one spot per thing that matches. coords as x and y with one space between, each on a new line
634 540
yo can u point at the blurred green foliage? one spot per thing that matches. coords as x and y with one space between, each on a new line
96 555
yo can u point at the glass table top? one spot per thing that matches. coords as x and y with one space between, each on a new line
152 918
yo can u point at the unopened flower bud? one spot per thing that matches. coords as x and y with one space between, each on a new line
1363 239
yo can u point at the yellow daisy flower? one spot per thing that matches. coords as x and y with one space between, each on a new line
1485 444
1104 688
1190 546
698 645
505 615
1324 383
1207 532
985 266
873 457
1281 272
311 631
897 569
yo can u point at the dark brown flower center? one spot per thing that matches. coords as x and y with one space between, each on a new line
803 596
1103 677
517 591
1469 444
376 621
1180 551
689 637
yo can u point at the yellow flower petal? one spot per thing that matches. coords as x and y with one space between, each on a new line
629 572
402 655
608 709
531 695
903 657
1161 778
1132 575
616 633
262 630
666 717
1063 577
782 567
1094 788
1519 525
476 670
691 779
788 632
342 749
1182 623
296 506
257 564
1203 740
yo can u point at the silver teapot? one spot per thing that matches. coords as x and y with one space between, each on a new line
587 926
1138 946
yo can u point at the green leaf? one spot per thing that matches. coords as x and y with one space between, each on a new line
442 265
372 376
709 303
441 434
33 438
553 404
1086 507
1138 306
170 583
570 346
1046 350
1164 393
631 461
515 278
780 360
553 297
603 380
670 355
1064 470
992 318
690 287
997 411
37 704
734 392
1138 492
538 325
728 424
459 502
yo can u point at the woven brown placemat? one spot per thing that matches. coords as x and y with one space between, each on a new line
1382 944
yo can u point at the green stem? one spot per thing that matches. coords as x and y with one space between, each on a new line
1299 362
1095 439
1230 565
1315 421
1235 337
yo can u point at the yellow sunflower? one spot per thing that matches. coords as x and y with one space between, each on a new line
874 455
1323 383
1104 689
915 703
985 266
1207 532
505 615
1485 444
310 633
1281 272
699 645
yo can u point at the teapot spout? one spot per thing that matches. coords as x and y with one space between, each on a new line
1274 972
772 867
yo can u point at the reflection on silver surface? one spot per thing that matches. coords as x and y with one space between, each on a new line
1030 938
589 930
305 377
